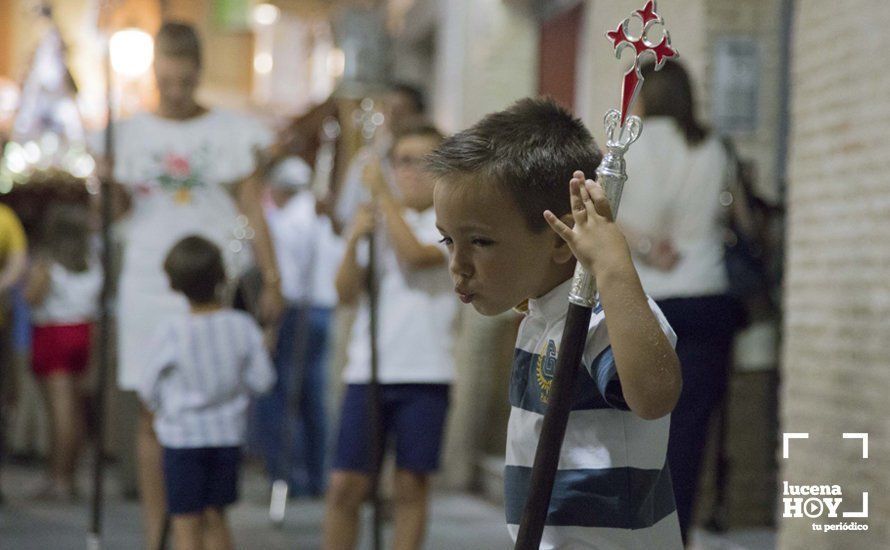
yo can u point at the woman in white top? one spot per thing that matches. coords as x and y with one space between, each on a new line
674 221
183 167
63 289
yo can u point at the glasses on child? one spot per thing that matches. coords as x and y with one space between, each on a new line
407 161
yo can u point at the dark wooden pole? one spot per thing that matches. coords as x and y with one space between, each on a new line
104 342
374 405
568 361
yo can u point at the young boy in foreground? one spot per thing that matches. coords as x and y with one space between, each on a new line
499 185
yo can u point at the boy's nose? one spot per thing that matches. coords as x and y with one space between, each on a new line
459 266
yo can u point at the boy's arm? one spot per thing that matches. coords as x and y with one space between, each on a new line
37 283
351 276
259 376
249 200
648 367
409 250
161 359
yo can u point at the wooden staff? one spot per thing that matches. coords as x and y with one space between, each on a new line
621 131
104 351
370 121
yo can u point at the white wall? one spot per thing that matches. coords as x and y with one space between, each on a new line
486 58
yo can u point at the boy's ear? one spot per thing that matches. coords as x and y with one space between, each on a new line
561 251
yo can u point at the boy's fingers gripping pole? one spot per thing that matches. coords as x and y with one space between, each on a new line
621 132
579 209
599 201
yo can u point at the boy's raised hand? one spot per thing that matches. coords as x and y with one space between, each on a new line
595 239
373 178
363 222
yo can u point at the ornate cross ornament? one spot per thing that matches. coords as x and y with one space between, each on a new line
621 39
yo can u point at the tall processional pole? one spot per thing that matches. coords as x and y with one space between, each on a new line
106 175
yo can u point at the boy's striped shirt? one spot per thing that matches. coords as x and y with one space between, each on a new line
200 377
612 487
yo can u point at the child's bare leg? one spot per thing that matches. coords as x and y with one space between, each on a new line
217 535
411 497
53 451
343 501
187 529
149 458
67 422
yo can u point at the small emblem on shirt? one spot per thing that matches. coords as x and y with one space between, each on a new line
180 176
544 370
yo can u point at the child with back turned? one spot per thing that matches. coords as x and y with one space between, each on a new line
204 366
499 185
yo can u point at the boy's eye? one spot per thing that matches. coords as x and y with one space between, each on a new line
446 241
479 241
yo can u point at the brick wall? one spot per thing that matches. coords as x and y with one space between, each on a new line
836 353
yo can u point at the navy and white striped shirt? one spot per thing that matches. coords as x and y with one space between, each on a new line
202 371
612 486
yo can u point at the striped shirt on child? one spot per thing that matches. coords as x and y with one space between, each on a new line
612 488
198 381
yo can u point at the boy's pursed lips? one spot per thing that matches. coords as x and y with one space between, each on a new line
465 295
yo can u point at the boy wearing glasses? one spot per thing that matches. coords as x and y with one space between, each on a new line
415 317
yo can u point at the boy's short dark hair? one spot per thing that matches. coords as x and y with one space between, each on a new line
530 149
176 39
195 267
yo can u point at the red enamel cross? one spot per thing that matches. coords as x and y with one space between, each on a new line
620 39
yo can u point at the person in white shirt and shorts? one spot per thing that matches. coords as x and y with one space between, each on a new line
415 315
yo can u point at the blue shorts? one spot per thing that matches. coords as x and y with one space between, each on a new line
201 478
412 414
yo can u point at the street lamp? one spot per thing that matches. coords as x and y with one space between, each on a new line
132 51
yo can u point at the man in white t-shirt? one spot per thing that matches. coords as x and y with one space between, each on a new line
186 170
415 313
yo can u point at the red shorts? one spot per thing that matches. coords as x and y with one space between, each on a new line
60 349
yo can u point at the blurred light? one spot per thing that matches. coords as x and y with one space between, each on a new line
336 63
83 166
6 183
265 14
132 51
31 152
15 161
49 143
262 63
9 97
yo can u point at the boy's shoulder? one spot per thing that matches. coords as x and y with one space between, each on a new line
241 319
597 332
235 315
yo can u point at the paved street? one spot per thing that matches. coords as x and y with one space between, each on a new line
458 521
29 525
